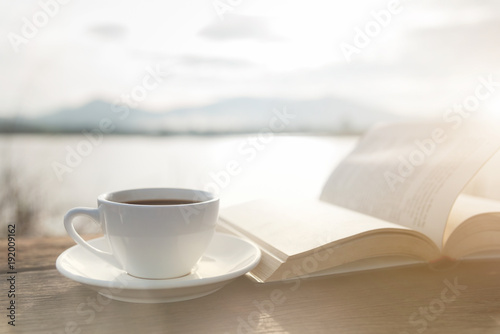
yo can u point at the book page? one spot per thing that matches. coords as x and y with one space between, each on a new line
289 227
467 206
412 173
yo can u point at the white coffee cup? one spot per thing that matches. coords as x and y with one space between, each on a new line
156 241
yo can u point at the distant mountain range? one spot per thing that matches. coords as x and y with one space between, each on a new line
237 115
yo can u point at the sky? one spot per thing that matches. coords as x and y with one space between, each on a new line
405 57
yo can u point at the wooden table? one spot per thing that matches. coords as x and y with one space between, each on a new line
464 298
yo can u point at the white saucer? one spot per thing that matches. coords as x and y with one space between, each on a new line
226 258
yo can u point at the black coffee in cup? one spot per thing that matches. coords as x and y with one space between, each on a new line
160 202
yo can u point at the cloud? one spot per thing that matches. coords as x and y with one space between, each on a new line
461 46
239 27
190 60
108 31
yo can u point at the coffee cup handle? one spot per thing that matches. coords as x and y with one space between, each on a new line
70 228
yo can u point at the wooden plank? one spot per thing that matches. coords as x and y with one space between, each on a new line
372 302
349 304
37 253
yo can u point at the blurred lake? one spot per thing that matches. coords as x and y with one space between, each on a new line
43 176
50 174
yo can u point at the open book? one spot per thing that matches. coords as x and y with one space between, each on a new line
395 200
